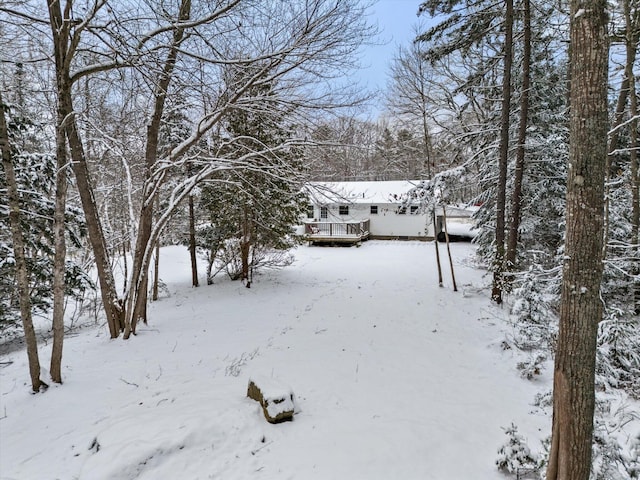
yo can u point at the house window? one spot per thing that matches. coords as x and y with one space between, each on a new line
414 209
401 210
310 211
324 213
374 209
343 209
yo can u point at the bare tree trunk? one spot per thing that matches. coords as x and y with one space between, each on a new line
631 48
435 235
245 247
125 263
501 193
111 303
60 251
631 44
426 136
22 272
446 237
156 272
137 301
63 51
156 267
635 193
192 243
516 197
581 307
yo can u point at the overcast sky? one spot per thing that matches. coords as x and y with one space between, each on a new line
396 20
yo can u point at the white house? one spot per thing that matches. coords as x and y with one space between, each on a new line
354 211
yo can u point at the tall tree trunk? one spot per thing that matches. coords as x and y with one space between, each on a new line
426 136
137 298
60 250
581 307
631 50
192 243
60 28
516 196
22 272
501 189
111 302
631 44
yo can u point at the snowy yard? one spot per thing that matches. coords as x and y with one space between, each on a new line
395 378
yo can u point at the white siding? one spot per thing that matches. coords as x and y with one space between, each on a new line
386 222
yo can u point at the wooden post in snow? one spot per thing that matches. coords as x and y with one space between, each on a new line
446 236
435 238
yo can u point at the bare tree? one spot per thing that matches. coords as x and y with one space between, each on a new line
60 250
410 96
516 194
286 47
631 11
299 48
67 33
581 306
22 272
501 194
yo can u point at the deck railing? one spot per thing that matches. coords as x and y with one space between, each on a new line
335 229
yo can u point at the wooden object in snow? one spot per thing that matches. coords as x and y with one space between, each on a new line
276 400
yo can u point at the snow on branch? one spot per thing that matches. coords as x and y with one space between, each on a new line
430 193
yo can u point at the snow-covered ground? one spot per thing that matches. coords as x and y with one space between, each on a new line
394 377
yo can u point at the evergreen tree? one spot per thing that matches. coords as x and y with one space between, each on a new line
253 208
35 171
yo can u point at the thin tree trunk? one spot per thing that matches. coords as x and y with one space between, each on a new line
621 103
245 246
137 299
631 48
516 197
60 251
156 268
22 272
192 243
156 272
125 262
446 237
581 307
618 117
60 28
426 137
111 303
435 234
635 196
501 190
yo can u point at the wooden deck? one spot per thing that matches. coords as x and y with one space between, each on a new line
349 233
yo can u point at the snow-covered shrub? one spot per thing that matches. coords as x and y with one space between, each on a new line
634 457
618 355
535 322
533 366
543 399
615 456
515 456
619 332
260 257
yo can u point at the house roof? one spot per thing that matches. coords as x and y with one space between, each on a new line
359 192
375 192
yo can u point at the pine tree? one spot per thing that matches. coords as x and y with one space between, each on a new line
35 172
253 208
